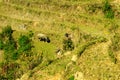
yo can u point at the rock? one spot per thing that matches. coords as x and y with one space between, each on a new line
67 53
58 52
78 76
22 27
74 58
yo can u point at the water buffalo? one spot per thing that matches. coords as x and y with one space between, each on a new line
43 37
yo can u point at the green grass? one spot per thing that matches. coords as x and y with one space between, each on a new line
91 34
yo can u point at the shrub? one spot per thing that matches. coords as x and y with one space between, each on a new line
24 44
107 10
9 70
71 78
7 31
10 49
1 44
68 44
30 34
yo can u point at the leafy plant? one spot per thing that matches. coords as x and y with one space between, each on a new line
24 44
7 31
1 44
9 70
71 78
10 49
107 10
68 44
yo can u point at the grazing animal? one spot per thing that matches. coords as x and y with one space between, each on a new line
43 37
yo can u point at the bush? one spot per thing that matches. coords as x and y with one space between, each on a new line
71 78
9 70
30 34
24 43
107 10
10 49
1 44
7 31
68 44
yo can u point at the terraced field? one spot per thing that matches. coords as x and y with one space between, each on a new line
93 36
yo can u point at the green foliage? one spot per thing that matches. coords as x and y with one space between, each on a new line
71 78
24 43
68 44
7 31
7 43
107 9
10 49
1 44
30 34
9 70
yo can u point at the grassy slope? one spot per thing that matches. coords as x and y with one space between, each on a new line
54 19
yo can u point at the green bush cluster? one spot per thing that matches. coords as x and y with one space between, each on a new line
24 44
107 10
71 78
13 49
68 45
9 71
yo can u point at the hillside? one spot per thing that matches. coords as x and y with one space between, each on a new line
59 40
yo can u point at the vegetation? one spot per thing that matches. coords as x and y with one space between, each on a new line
107 9
24 44
71 78
68 44
84 37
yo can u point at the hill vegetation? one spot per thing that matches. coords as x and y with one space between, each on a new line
59 40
